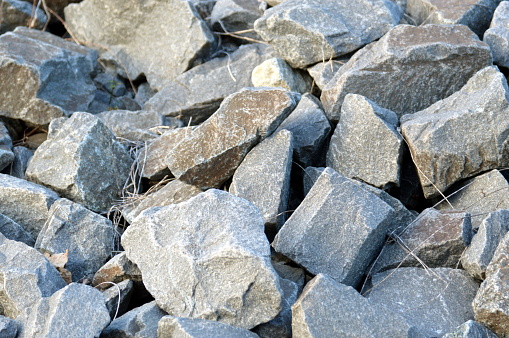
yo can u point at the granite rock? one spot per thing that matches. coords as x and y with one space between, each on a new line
12 230
470 329
323 72
16 13
6 154
8 327
169 327
18 167
275 72
233 16
116 270
497 36
117 298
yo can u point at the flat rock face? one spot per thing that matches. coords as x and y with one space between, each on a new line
170 326
275 72
82 161
366 144
497 36
126 29
213 265
14 231
212 151
445 140
416 65
304 32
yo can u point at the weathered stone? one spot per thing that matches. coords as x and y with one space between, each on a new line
139 322
497 36
88 236
116 270
12 230
8 327
470 329
117 298
57 5
169 327
273 3
445 140
125 29
435 301
211 152
111 84
490 303
6 154
275 72
26 203
296 275
77 310
409 68
323 72
43 77
310 129
196 94
263 178
82 161
366 144
338 239
304 32
16 13
26 276
215 265
18 167
329 309
233 16
144 93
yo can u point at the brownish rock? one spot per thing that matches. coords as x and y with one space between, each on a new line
116 270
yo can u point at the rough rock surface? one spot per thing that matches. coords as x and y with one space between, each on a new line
169 327
216 263
16 13
12 230
117 298
470 329
82 161
276 72
6 154
8 327
445 140
418 66
304 32
236 15
19 164
497 36
323 72
212 151
117 270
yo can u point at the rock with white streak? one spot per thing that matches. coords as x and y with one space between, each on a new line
117 298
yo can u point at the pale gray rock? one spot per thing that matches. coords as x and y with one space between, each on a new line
126 29
210 153
366 145
117 270
26 203
12 230
88 236
497 36
470 329
417 66
43 76
117 298
214 265
233 16
6 154
22 156
330 309
323 72
196 94
304 32
26 277
8 327
16 13
82 161
337 239
310 129
435 301
263 178
169 327
445 139
275 72
77 310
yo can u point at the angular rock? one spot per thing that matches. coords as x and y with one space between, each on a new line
366 144
111 84
57 5
116 270
434 301
275 72
310 129
16 13
296 275
263 178
490 303
304 32
8 327
330 309
211 152
22 156
26 277
170 326
497 36
236 15
26 203
88 236
12 230
43 76
196 94
416 65
125 29
338 239
446 141
6 154
77 310
117 298
323 72
82 161
215 265
470 329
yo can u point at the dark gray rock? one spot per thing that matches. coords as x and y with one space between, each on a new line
416 65
16 13
196 94
111 84
169 327
116 270
210 153
236 15
338 239
497 36
296 275
82 161
323 72
8 327
470 329
56 5
22 156
215 265
275 72
366 144
12 230
126 29
117 298
6 154
445 139
304 32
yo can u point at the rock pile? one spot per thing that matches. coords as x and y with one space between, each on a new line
250 168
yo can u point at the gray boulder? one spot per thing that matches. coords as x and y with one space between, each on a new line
275 72
366 144
169 327
116 270
233 16
470 329
304 32
214 265
416 65
446 141
210 153
82 161
338 239
43 76
12 230
117 298
22 156
126 29
323 72
497 36
8 327
16 13
6 154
